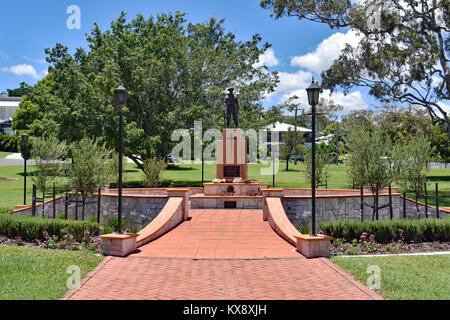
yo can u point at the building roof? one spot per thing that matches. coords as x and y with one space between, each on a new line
10 101
10 98
283 127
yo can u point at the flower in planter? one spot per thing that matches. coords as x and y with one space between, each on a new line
363 236
238 180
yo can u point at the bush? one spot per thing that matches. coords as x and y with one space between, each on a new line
32 228
152 170
387 231
8 143
113 225
304 229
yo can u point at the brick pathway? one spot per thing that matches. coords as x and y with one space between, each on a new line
220 234
250 262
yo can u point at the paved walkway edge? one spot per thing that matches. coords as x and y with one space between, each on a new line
71 292
372 294
397 255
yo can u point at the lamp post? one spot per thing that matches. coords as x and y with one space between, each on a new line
120 98
337 141
313 99
25 138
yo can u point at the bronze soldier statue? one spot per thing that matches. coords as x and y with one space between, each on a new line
232 108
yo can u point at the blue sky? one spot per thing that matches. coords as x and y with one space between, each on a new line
299 50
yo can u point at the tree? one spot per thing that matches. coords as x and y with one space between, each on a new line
92 167
47 153
291 140
369 161
19 92
323 160
410 162
176 72
152 170
324 110
401 55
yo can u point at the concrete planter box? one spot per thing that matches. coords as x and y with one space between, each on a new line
119 245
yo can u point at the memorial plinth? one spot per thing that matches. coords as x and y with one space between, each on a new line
231 155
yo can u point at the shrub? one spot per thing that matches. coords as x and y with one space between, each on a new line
31 228
8 143
152 170
304 229
387 231
112 225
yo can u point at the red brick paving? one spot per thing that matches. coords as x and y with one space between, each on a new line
220 234
219 255
141 278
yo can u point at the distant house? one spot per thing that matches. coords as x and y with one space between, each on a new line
281 128
8 107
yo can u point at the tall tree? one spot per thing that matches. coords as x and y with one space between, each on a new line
291 142
369 161
402 55
176 72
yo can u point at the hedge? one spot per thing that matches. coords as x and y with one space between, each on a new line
30 228
387 231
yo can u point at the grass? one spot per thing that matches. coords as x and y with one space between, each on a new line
39 274
404 277
4 154
11 192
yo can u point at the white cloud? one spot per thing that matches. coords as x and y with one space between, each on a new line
326 52
23 69
352 101
292 81
445 107
267 59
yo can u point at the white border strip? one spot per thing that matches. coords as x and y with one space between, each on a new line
394 255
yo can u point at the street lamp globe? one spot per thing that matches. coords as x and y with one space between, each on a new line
313 93
25 138
120 96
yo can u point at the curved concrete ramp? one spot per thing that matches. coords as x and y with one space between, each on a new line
170 216
309 246
220 234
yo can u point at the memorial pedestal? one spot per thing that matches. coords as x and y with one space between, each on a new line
231 155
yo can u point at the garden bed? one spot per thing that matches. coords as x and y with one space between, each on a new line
67 242
342 248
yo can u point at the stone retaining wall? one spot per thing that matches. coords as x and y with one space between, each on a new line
348 208
137 211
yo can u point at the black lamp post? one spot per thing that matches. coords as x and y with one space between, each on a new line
120 98
25 138
313 98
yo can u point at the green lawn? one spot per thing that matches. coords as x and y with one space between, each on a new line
4 154
405 277
39 274
11 192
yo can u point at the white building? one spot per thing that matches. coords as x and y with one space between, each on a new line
284 127
8 107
